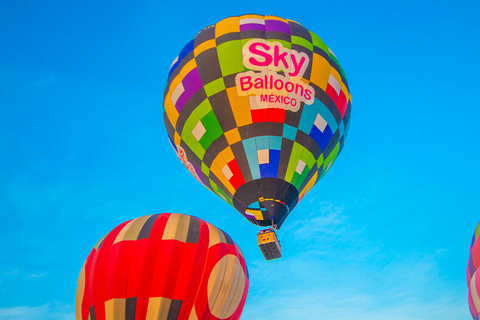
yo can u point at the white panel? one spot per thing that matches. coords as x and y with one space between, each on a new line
300 166
334 83
263 156
252 20
320 123
227 172
177 92
198 131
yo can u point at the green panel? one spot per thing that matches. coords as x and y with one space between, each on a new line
214 87
311 162
193 144
320 160
230 57
300 180
317 42
210 123
203 108
205 141
295 178
293 161
303 42
205 169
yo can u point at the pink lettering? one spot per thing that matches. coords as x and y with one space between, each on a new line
246 83
267 58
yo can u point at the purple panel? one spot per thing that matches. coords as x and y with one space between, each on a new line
191 84
199 174
252 26
275 25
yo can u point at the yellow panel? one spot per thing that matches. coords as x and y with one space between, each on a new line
233 136
474 293
80 293
204 46
193 314
320 71
115 309
97 245
258 214
131 230
177 227
158 308
308 186
220 176
213 235
227 25
240 107
227 154
170 110
177 139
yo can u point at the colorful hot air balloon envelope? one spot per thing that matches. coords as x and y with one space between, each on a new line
257 108
473 276
163 266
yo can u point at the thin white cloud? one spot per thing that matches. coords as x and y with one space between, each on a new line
350 278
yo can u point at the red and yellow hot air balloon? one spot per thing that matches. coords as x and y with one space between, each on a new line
163 266
258 109
473 276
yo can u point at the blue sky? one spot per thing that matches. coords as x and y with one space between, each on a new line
384 235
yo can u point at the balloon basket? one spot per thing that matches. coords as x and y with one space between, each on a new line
269 244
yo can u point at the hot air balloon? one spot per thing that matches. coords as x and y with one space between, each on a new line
163 266
473 277
257 108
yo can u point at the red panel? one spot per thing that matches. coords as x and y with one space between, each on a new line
476 253
342 103
237 179
197 275
185 271
117 270
98 272
276 115
87 299
259 115
332 93
168 262
149 258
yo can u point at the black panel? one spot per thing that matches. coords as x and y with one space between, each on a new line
240 156
92 312
292 118
223 111
227 238
130 308
230 80
193 230
206 34
285 152
227 37
250 34
208 66
147 227
261 129
174 311
298 30
277 35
